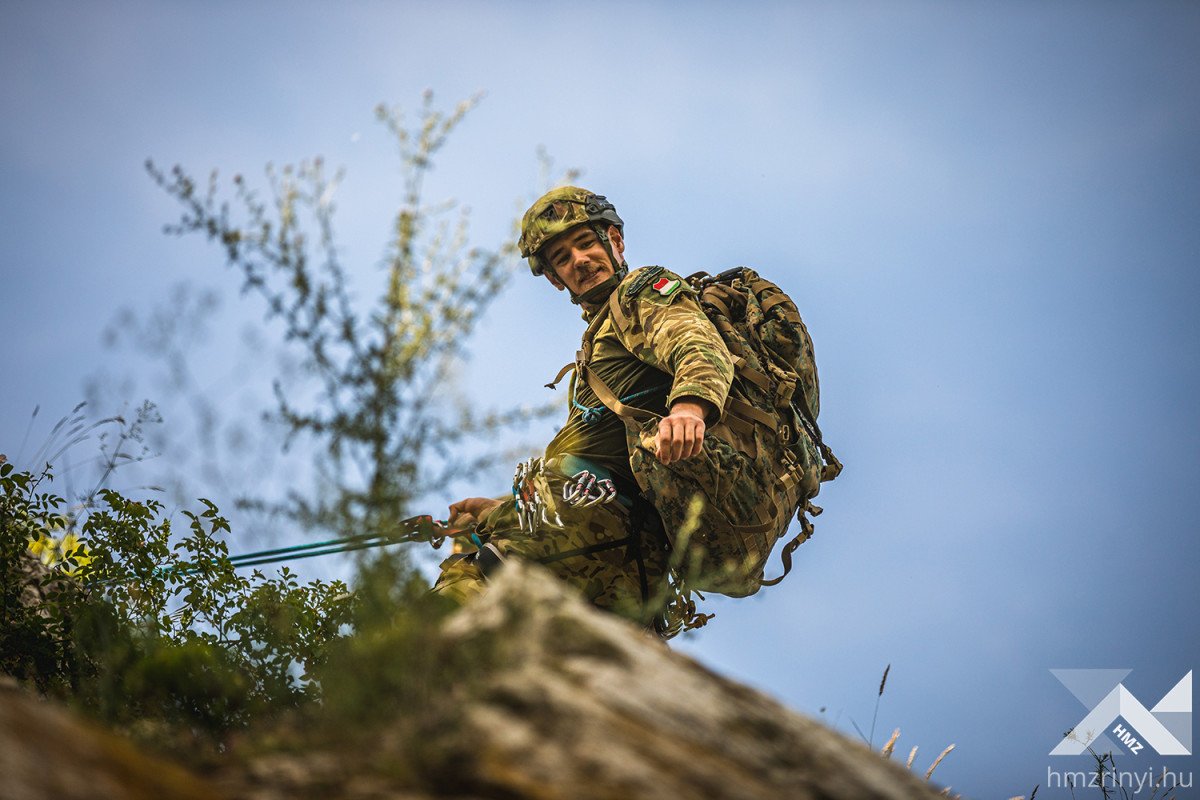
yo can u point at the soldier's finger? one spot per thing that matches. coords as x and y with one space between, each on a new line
663 442
688 440
678 441
700 430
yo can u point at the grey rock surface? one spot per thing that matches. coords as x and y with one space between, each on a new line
587 707
572 704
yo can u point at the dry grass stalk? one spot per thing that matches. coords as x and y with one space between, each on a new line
937 761
875 716
891 744
913 755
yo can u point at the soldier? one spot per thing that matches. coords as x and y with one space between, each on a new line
577 509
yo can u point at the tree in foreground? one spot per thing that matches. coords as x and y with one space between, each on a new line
141 616
374 397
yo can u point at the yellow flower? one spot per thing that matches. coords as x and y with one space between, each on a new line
44 548
72 549
70 554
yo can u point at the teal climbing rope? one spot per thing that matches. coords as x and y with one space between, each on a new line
591 414
434 530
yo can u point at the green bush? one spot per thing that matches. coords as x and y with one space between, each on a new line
152 628
113 612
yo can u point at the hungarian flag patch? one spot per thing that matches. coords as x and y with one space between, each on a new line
665 286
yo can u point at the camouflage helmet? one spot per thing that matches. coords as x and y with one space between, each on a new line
559 210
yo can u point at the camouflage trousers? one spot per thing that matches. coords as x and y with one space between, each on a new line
568 515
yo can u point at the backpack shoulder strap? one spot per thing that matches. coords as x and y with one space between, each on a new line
606 396
584 354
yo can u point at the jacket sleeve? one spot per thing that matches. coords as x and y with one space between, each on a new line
669 331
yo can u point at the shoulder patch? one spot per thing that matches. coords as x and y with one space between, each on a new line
642 277
666 286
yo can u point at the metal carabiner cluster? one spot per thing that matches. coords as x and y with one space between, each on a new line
531 511
585 489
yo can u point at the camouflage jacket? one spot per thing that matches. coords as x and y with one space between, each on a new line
663 348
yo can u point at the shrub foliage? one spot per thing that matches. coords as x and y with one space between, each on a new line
139 616
107 607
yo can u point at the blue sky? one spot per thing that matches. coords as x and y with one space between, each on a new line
986 212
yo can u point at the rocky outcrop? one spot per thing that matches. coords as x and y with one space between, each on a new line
589 707
48 754
575 705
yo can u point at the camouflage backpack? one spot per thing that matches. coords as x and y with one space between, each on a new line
725 509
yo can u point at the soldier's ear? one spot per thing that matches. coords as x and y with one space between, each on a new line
554 281
617 241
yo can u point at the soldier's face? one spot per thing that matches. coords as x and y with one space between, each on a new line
578 260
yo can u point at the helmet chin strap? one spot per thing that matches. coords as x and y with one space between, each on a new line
600 292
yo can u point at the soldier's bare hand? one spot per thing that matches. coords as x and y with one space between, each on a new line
476 507
681 433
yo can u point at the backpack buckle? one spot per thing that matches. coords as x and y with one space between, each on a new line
785 434
784 392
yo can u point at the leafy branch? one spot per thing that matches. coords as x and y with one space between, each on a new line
379 413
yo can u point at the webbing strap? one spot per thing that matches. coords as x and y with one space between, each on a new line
832 467
785 555
750 533
762 527
744 370
712 296
775 300
489 559
585 551
619 316
784 392
609 399
744 429
604 394
622 323
561 374
789 480
747 411
585 353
